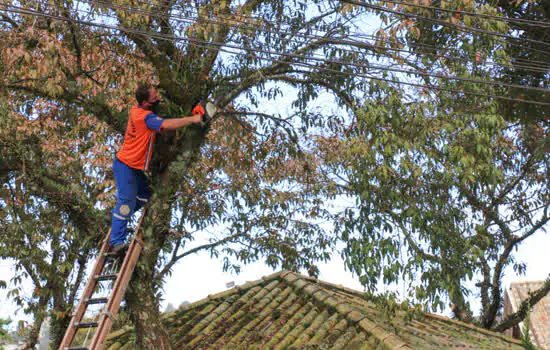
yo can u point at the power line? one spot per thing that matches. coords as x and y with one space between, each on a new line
447 24
544 66
463 28
339 62
219 46
543 24
541 69
439 76
373 46
534 23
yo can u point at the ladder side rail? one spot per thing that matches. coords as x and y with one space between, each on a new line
119 288
86 294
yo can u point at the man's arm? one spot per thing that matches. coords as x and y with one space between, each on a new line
172 124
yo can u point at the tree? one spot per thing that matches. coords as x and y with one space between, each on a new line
444 198
263 192
251 172
448 182
44 229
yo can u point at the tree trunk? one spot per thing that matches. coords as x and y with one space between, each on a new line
144 313
141 297
58 326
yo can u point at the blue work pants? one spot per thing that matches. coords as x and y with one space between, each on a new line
132 194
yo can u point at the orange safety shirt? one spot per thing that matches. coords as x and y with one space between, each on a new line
140 134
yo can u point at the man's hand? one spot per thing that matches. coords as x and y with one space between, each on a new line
198 110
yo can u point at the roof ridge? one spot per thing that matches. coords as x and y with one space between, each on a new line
311 287
527 282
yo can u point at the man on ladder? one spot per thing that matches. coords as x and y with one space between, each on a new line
132 193
134 158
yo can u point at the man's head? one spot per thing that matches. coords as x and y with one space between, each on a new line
148 97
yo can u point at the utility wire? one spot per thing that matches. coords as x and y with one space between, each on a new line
463 28
544 66
540 69
543 24
374 66
534 23
160 36
219 46
192 20
340 62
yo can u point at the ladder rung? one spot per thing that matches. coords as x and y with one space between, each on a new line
108 277
86 325
97 301
111 255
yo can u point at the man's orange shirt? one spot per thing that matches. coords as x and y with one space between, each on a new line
140 134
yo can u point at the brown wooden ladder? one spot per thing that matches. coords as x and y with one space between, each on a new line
121 279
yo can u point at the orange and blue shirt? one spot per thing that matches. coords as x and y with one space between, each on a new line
137 148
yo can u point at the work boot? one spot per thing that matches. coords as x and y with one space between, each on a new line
120 248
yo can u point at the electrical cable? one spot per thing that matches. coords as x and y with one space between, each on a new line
540 69
544 66
339 62
221 45
541 24
466 29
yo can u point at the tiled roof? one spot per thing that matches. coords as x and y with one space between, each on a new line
539 322
290 311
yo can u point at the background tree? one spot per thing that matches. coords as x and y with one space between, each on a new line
264 194
449 180
444 197
47 216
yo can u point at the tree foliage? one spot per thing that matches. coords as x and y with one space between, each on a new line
246 178
449 182
253 185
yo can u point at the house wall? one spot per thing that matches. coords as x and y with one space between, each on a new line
508 309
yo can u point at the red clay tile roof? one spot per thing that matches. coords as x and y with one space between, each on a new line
540 314
290 311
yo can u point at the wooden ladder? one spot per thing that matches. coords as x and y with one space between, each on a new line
112 302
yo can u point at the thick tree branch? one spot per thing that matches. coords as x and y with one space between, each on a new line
280 66
95 105
525 306
79 277
485 284
161 15
34 277
209 55
499 267
411 241
74 35
511 185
